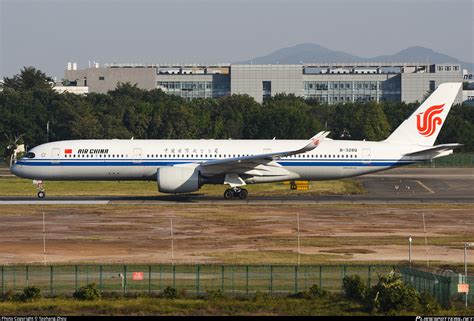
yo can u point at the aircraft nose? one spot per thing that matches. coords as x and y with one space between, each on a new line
16 169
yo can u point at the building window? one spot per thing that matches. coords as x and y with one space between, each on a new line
267 89
432 85
101 78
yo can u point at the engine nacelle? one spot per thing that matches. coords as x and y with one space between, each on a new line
178 179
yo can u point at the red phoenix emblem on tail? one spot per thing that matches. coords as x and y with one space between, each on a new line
427 121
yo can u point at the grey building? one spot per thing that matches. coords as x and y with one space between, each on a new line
328 83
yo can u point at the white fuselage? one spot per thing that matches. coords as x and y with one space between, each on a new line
140 159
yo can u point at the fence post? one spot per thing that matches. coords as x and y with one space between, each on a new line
198 272
233 271
75 284
14 279
222 278
246 280
342 273
26 275
368 276
271 278
320 276
161 280
51 279
305 277
174 276
296 278
100 277
149 279
124 279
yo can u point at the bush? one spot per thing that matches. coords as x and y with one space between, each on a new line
215 294
30 293
9 295
354 288
182 293
170 293
316 292
261 296
88 292
391 295
428 303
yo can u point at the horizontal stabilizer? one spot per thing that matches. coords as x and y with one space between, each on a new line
437 148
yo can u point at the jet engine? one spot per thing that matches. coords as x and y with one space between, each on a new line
178 179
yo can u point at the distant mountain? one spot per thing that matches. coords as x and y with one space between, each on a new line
308 52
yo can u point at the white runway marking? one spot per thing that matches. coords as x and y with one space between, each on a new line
46 202
425 187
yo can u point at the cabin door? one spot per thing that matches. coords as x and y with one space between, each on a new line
366 156
55 154
137 155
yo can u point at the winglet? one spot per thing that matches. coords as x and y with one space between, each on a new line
315 141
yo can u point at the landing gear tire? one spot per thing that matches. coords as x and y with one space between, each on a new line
235 192
228 194
40 188
243 194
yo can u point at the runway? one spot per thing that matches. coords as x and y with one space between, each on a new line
396 186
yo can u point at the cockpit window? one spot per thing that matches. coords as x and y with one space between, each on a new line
30 155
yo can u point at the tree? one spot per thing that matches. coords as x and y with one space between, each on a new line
27 104
375 126
28 79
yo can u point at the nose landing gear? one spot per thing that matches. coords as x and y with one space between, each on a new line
40 188
241 193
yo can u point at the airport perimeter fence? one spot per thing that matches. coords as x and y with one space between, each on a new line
194 279
230 279
454 160
443 287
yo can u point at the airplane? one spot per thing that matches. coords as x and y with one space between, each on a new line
183 166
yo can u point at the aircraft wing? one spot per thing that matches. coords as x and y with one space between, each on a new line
261 162
434 149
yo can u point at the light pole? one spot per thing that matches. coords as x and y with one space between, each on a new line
410 239
466 246
44 241
172 241
298 220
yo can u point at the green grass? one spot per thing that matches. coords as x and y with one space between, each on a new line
256 305
156 306
12 186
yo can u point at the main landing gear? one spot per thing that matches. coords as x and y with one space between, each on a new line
236 192
40 188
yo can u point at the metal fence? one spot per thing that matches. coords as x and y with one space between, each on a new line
443 288
235 279
454 160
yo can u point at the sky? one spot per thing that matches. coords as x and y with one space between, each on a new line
47 34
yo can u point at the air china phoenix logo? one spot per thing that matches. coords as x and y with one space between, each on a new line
427 121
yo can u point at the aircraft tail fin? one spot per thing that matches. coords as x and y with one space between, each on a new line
424 125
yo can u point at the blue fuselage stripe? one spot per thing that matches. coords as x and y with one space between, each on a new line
286 163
